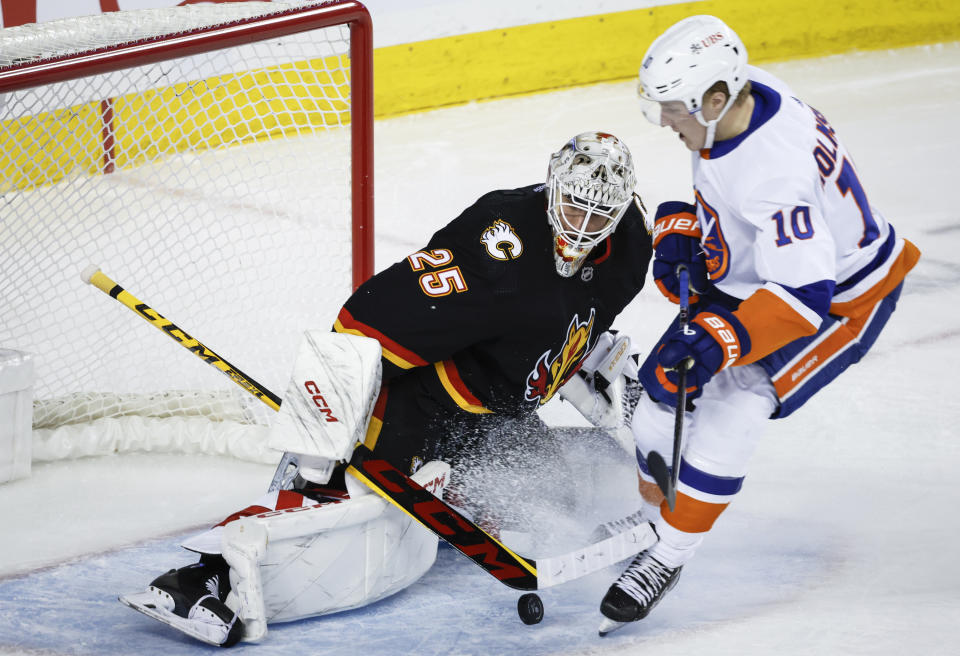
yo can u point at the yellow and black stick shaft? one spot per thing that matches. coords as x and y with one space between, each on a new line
93 276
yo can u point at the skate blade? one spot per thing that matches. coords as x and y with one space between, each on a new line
609 626
148 603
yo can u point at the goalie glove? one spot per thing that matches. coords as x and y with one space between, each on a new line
596 389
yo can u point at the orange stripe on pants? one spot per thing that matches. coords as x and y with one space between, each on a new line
692 515
847 333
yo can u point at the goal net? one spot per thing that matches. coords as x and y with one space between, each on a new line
214 160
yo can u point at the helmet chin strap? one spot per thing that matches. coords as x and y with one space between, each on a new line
712 125
711 132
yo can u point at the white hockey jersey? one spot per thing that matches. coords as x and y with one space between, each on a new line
787 227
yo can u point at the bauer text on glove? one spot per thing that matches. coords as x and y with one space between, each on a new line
676 240
713 341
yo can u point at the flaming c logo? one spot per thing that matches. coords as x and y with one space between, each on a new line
501 241
550 373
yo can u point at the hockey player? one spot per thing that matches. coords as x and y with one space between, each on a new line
793 274
497 311
479 328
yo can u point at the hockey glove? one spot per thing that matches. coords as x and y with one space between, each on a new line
676 240
713 341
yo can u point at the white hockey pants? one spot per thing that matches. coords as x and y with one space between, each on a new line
719 437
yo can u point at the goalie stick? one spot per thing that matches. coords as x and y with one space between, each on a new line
397 488
93 276
667 478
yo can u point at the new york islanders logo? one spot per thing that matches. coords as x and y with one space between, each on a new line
716 251
501 241
552 372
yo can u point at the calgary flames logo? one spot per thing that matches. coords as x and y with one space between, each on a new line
550 374
501 241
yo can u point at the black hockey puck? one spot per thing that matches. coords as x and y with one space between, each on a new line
530 608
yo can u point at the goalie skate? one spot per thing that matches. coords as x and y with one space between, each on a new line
188 599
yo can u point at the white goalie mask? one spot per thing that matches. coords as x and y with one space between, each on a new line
590 184
684 62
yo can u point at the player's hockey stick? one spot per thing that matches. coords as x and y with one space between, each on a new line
479 546
397 488
667 478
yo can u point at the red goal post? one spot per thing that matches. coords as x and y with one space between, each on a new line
217 157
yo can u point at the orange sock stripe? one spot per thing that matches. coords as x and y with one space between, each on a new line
692 515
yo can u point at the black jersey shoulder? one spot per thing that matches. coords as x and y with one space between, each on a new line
503 231
523 208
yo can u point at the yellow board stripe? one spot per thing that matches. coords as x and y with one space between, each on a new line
224 110
604 48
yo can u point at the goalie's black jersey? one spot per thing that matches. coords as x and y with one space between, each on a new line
480 316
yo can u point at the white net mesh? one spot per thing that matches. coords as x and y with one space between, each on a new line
69 37
215 187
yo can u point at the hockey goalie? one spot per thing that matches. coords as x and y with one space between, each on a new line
318 541
505 306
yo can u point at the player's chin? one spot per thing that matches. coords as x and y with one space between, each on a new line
688 142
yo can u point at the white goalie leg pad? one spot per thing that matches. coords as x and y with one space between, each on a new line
328 402
243 546
302 562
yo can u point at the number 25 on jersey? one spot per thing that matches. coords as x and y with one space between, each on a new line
439 282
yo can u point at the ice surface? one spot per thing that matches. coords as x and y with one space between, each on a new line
843 540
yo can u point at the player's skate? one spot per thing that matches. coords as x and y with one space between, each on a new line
633 595
191 600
